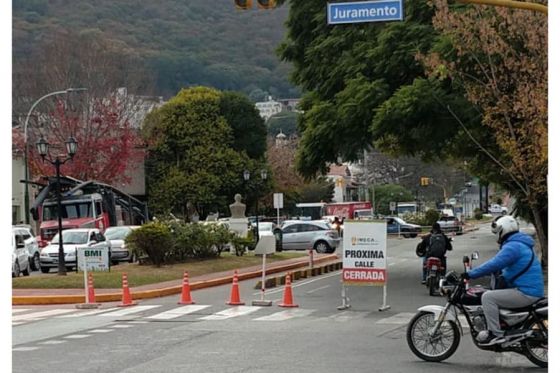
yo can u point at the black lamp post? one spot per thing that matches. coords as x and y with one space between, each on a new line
43 149
246 176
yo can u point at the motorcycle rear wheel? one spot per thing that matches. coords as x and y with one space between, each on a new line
536 349
435 349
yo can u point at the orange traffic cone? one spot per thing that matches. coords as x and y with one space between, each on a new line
288 299
126 298
186 292
91 290
234 299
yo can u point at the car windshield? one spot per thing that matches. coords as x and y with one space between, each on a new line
70 237
117 233
399 221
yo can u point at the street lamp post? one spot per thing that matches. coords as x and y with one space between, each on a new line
246 176
26 148
43 149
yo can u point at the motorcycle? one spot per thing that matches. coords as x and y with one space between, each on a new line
434 272
433 334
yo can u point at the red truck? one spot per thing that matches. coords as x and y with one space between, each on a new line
349 210
88 204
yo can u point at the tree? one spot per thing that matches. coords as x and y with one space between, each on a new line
249 131
191 155
384 194
285 122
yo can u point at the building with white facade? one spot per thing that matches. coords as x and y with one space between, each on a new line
268 108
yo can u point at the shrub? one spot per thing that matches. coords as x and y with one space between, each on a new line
241 244
153 239
432 216
195 240
478 215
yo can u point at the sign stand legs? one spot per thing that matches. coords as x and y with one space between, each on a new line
345 299
385 306
263 302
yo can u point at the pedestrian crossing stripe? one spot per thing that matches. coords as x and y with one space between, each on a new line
129 311
231 312
87 313
177 312
285 315
41 314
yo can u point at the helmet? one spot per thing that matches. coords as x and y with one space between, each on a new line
503 225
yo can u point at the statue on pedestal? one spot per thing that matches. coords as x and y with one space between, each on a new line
237 208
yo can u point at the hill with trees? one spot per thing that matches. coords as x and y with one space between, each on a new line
177 43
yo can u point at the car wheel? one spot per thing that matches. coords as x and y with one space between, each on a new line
45 269
15 273
35 262
413 235
27 269
322 247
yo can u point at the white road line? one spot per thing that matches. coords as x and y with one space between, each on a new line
121 326
77 336
177 312
317 289
348 315
337 273
87 313
137 322
231 312
42 314
285 315
100 330
17 323
399 318
18 310
130 310
23 349
53 342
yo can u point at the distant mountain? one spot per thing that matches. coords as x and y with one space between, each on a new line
182 42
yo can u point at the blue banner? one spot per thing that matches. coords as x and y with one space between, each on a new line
365 11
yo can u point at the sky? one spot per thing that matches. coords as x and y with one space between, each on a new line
5 206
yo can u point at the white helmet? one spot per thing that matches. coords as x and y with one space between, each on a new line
503 225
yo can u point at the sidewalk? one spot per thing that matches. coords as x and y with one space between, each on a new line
70 296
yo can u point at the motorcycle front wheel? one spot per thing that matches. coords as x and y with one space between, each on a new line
437 348
536 349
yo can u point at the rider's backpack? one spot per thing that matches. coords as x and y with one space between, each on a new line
437 245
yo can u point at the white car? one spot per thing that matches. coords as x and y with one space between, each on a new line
30 243
117 235
72 239
497 209
20 255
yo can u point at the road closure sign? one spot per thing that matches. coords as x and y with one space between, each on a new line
93 258
364 255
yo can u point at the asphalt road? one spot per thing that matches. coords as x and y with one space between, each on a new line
160 336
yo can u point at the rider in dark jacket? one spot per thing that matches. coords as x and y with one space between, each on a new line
423 249
513 259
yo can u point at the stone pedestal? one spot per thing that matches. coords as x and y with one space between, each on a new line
239 226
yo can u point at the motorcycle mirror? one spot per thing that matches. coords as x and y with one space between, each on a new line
474 256
466 260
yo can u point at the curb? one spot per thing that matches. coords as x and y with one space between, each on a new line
146 294
300 274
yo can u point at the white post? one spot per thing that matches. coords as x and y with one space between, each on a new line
278 216
85 279
263 287
384 307
345 299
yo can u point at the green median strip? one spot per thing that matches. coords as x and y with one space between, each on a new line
139 275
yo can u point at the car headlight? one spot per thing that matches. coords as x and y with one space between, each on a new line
44 254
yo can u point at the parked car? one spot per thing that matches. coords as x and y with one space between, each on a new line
31 244
72 239
119 251
450 224
497 209
20 255
396 225
304 235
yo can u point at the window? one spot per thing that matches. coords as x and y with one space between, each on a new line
292 228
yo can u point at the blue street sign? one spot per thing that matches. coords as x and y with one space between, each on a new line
365 11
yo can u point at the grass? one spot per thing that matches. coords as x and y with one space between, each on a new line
145 274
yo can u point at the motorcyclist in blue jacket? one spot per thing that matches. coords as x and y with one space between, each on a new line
513 257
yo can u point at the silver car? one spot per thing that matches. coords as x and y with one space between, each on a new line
30 243
304 235
117 235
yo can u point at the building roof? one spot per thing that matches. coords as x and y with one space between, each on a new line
339 170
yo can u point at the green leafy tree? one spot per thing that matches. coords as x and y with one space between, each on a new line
191 158
384 194
285 122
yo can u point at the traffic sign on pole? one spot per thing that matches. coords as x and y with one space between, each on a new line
365 11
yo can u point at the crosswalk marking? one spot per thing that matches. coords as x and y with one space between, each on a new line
19 310
25 348
41 314
399 318
231 312
129 311
100 330
87 313
77 336
177 312
53 342
121 326
285 315
348 315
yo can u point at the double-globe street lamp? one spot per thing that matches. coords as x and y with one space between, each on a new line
246 177
43 149
26 148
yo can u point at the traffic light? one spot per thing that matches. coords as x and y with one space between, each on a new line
266 4
244 4
424 181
